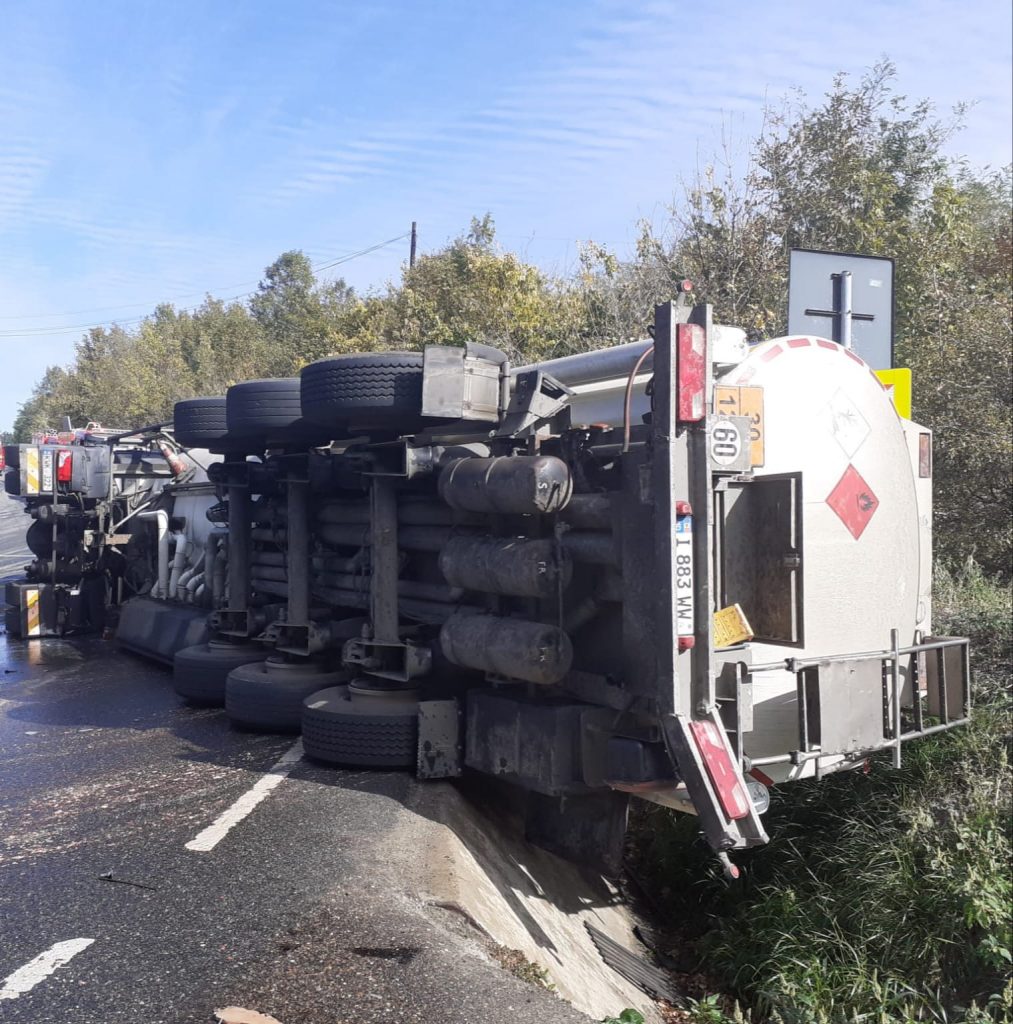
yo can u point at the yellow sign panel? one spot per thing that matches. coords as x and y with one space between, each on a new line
898 386
31 470
731 627
32 612
744 401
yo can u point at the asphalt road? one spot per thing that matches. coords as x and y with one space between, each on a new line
13 523
304 909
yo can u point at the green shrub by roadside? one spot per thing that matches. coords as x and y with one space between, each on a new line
882 897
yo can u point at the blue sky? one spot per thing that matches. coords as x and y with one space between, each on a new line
153 151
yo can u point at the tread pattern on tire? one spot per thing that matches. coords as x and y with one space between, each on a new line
198 422
263 407
375 389
198 675
39 540
357 740
259 701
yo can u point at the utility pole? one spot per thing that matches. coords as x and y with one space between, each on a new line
415 239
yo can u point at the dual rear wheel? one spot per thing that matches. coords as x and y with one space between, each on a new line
330 398
351 725
355 725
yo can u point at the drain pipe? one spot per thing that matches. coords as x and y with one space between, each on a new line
178 563
196 581
161 517
211 576
192 568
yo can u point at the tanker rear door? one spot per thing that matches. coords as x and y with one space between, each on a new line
759 554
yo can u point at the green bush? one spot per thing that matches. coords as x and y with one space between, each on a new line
886 895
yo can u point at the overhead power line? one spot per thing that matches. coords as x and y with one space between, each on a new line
55 330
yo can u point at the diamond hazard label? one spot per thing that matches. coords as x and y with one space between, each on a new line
854 502
849 427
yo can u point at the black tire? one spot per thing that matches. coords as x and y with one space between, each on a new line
268 695
199 672
337 731
269 411
12 455
378 389
12 622
12 482
39 539
199 422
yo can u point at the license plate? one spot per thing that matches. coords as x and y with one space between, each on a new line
684 617
47 470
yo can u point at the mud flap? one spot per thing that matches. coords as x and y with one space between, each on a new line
713 776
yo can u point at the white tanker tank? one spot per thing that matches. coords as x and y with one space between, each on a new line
824 543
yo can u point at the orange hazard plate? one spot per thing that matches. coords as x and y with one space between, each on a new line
744 401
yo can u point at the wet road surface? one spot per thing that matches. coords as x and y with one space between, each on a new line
303 909
13 524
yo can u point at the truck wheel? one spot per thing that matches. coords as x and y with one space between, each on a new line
379 389
269 410
39 539
199 672
12 456
199 422
268 695
338 730
12 483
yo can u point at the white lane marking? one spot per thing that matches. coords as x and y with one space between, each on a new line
219 828
24 979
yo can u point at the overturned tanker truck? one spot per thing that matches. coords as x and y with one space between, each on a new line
684 569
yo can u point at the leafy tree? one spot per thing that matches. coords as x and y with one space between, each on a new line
219 344
40 410
471 290
298 317
865 171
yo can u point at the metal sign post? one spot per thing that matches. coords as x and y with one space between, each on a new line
826 288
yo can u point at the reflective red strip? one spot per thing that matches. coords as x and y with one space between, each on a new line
827 344
851 355
724 778
799 343
771 353
691 372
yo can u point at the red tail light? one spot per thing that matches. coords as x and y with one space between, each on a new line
691 372
64 466
723 775
3 459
